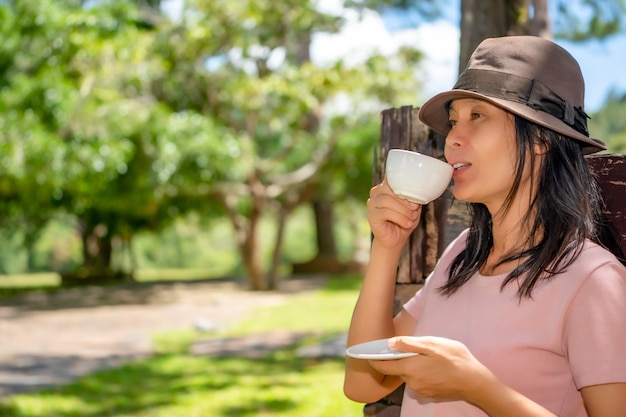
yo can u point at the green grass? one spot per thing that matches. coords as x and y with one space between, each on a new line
11 285
53 280
176 384
41 280
172 274
185 386
327 310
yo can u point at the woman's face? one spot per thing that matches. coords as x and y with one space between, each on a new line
481 147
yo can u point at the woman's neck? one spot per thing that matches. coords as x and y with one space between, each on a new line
512 232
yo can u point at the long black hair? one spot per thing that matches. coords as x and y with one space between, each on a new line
566 209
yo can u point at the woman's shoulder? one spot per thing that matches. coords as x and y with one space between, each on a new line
595 274
595 262
593 256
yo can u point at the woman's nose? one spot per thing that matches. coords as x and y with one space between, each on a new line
455 137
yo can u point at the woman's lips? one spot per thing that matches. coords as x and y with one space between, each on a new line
460 167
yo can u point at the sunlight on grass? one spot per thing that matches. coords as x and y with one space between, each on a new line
182 386
177 384
323 312
172 274
327 310
41 280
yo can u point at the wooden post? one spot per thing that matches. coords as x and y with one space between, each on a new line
610 172
442 220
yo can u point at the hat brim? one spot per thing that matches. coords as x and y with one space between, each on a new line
434 114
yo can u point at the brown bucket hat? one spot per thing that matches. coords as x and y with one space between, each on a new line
526 75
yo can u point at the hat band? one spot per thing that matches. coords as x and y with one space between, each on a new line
522 90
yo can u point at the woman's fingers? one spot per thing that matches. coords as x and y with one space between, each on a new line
384 205
383 209
391 219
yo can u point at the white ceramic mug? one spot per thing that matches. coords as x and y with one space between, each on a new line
416 177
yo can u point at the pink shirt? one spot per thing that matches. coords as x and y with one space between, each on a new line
570 335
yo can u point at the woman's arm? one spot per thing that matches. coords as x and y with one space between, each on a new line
499 400
392 220
605 400
373 319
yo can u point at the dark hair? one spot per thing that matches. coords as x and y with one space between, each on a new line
567 208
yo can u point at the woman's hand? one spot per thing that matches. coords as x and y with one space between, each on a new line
445 369
391 218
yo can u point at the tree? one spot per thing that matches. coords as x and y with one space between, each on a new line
79 113
142 118
609 123
592 20
562 19
270 101
494 18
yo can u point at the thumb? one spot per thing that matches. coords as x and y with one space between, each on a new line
418 344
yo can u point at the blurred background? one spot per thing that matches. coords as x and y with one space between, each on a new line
227 138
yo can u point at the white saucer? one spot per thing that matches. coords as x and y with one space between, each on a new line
376 349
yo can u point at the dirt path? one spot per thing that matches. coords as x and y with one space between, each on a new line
49 339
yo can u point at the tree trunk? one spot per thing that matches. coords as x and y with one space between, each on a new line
324 227
272 275
97 247
251 254
246 228
97 253
481 19
540 22
326 259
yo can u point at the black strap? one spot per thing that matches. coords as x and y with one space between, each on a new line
523 90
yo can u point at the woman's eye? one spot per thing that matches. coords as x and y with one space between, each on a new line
452 123
476 115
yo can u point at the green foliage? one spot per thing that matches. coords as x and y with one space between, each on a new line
271 106
189 243
128 123
192 247
589 19
127 120
609 123
427 9
66 111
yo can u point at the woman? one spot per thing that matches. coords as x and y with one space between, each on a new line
525 313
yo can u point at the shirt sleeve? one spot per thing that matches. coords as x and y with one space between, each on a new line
595 328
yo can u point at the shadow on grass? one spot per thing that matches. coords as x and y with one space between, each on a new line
208 386
52 298
350 282
267 406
